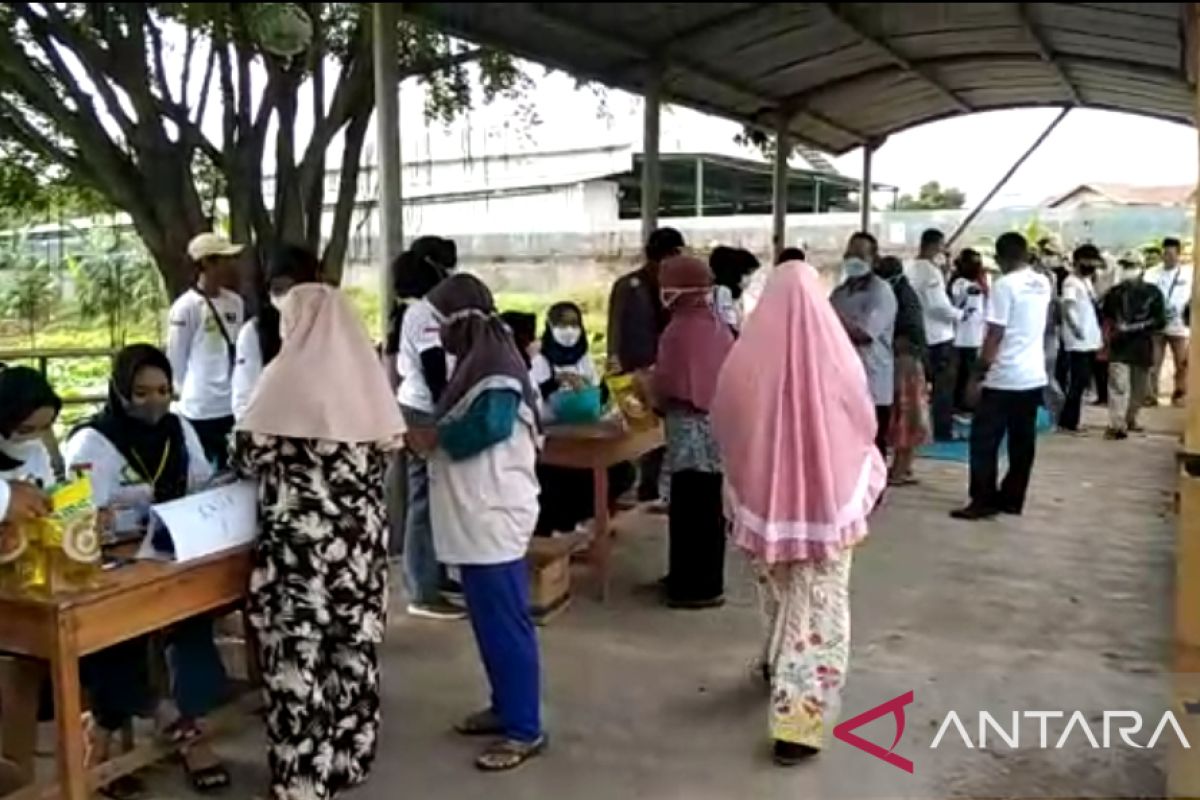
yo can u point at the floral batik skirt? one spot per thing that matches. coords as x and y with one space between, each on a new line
807 606
910 412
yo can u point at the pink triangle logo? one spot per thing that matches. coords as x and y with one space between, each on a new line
893 707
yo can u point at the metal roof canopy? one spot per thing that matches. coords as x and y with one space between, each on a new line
846 74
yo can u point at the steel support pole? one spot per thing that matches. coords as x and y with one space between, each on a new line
651 168
864 194
1004 179
387 148
699 187
779 186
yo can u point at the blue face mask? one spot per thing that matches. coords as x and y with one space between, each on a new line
855 267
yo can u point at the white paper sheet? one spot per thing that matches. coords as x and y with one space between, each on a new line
204 523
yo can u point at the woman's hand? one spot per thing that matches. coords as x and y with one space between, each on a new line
421 441
571 382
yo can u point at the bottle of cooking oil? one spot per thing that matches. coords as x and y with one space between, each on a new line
62 550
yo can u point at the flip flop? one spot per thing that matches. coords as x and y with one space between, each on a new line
907 480
509 754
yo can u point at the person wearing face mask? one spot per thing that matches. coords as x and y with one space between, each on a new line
203 323
1174 281
927 275
732 269
867 307
482 452
1134 312
28 408
422 369
258 340
690 354
1080 333
137 453
562 364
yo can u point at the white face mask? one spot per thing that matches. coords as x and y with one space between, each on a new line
939 261
20 444
277 300
668 296
854 267
566 335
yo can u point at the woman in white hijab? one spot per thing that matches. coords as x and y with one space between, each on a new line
314 437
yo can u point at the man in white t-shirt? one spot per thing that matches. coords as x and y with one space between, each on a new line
1174 280
1012 370
1081 335
927 277
204 324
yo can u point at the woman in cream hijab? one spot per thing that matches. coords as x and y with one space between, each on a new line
314 437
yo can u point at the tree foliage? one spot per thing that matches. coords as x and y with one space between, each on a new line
86 87
116 281
30 292
932 197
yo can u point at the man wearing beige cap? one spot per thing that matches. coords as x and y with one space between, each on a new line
200 343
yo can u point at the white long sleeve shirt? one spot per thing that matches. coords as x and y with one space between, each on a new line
247 368
940 314
199 353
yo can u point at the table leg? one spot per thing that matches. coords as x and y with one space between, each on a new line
20 685
68 711
601 550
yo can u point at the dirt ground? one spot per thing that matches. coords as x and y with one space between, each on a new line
1067 607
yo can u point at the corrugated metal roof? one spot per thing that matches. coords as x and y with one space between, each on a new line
849 73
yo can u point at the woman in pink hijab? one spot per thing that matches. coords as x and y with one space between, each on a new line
314 438
796 426
690 353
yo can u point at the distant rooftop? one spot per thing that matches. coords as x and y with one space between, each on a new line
1123 194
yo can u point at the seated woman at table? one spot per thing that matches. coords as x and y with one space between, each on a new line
690 354
318 594
137 453
484 501
563 366
28 408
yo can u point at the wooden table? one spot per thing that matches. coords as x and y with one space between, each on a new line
596 448
129 601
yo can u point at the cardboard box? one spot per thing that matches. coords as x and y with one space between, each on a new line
549 560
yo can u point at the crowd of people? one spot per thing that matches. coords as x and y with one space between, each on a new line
783 427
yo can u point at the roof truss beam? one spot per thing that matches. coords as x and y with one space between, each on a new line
1043 50
843 16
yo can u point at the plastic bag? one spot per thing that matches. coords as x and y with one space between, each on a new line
60 552
627 397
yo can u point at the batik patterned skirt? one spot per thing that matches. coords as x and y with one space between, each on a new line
910 412
807 606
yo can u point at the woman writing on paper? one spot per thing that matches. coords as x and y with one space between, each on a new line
138 453
318 592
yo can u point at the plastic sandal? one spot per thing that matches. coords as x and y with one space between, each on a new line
509 754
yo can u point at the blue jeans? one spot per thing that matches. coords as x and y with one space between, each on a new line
422 573
118 682
497 598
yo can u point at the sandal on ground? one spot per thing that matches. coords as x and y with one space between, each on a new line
126 787
181 731
204 770
789 754
509 754
481 723
903 480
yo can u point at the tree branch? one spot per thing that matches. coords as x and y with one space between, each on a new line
333 259
160 71
188 50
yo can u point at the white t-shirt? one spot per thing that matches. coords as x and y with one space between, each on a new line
1176 287
199 353
1079 300
541 370
420 331
118 486
484 508
247 367
940 315
1020 302
969 333
36 467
